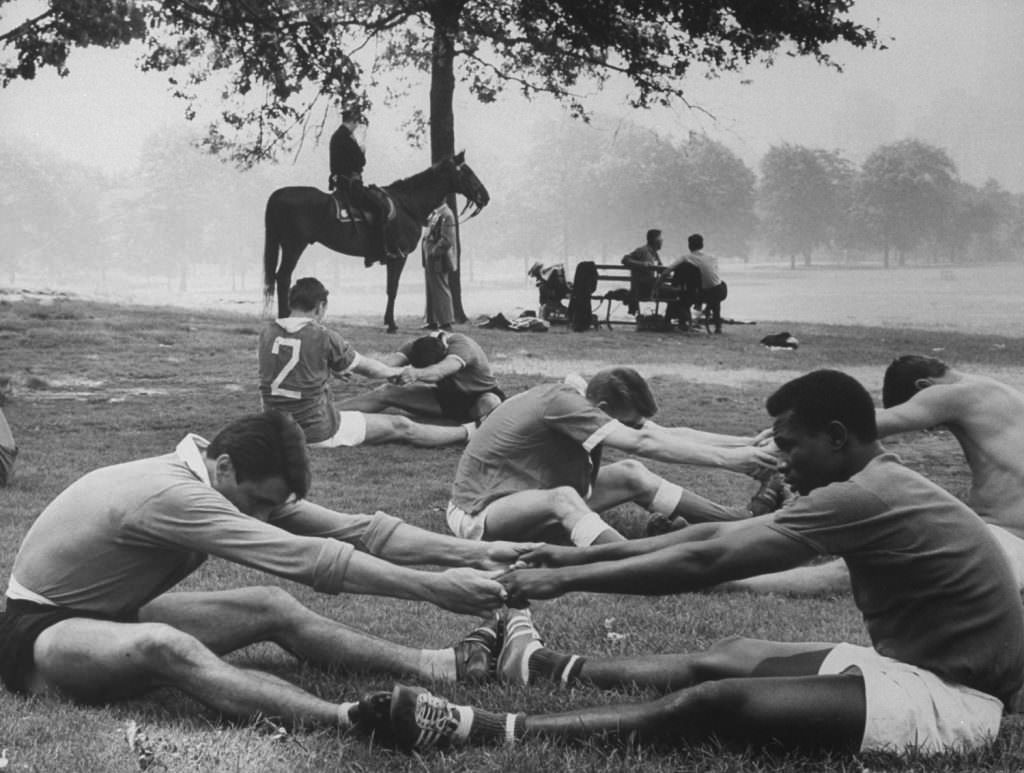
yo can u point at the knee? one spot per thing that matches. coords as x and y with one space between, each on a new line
635 477
711 702
165 650
565 501
402 426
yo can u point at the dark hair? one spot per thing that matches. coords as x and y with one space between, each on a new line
306 293
900 382
264 445
622 388
427 351
695 242
821 397
653 234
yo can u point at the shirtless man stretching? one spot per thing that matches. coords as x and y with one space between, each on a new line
987 419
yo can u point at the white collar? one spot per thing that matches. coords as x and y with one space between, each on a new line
192 452
294 324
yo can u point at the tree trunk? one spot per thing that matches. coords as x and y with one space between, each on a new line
442 120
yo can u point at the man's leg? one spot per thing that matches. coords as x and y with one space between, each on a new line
98 660
393 428
228 620
524 660
631 481
744 690
415 400
484 404
548 515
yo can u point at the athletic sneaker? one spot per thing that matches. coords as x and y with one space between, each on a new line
521 641
372 716
476 654
420 720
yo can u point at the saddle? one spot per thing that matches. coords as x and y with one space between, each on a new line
344 211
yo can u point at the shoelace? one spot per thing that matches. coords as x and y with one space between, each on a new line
435 719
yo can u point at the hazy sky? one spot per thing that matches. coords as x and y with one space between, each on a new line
951 76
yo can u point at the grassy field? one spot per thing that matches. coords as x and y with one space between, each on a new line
94 384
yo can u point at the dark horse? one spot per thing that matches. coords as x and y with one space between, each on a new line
296 217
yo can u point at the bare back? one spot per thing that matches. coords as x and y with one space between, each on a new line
987 418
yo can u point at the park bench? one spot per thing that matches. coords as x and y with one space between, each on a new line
609 285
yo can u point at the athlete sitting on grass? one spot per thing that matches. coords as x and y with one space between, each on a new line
935 590
443 375
533 469
298 355
987 419
90 615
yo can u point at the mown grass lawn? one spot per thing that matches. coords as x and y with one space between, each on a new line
96 384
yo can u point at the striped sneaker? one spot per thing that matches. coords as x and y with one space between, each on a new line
421 721
521 641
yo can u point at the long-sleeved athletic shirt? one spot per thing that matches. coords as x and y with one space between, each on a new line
120 536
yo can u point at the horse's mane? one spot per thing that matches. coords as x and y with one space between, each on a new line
414 182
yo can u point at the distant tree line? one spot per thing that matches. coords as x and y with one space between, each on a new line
581 191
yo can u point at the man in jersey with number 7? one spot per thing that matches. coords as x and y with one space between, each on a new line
298 355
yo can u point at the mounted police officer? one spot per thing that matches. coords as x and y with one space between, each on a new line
346 182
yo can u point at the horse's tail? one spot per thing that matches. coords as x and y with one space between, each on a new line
271 251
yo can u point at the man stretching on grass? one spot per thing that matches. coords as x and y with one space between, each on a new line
298 355
533 469
987 419
935 590
443 375
89 614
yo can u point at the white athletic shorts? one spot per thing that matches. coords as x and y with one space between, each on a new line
1013 547
910 707
464 525
351 431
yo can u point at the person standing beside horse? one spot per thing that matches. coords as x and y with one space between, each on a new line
440 259
297 357
348 160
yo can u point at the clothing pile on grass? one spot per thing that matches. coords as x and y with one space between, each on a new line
519 321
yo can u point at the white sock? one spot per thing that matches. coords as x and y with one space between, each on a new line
666 498
466 715
437 664
344 717
587 529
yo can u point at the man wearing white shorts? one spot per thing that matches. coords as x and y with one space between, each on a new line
987 419
298 355
533 469
937 597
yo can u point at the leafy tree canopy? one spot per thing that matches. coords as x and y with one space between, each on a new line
280 64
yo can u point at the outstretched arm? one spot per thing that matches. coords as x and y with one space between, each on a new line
466 591
410 544
711 438
371 368
932 406
656 443
556 555
433 373
680 568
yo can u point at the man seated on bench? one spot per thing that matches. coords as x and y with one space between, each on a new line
644 265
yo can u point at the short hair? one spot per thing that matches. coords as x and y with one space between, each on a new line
653 234
621 388
821 397
427 351
695 242
265 445
900 382
306 293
